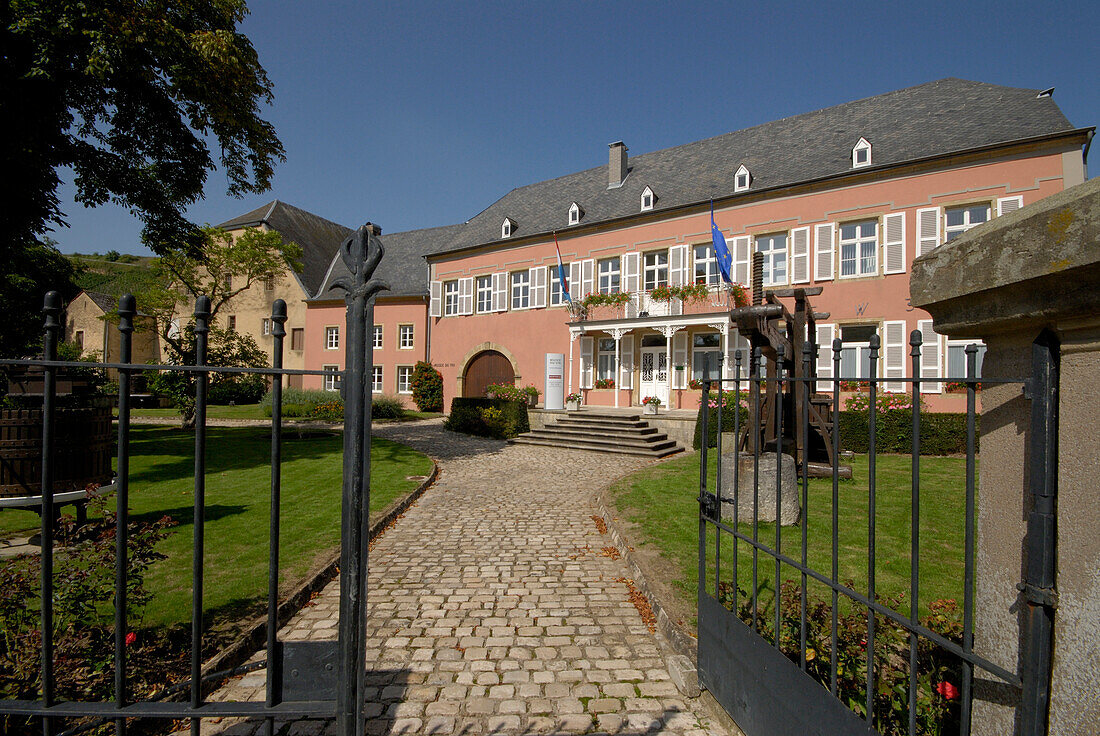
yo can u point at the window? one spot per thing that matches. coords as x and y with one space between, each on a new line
706 348
859 249
297 338
404 379
861 154
227 281
231 323
956 358
774 248
267 326
648 199
78 338
450 298
376 379
332 338
609 275
332 377
484 294
574 213
521 289
377 336
269 283
506 228
405 337
605 361
656 269
742 179
961 219
706 265
557 295
855 356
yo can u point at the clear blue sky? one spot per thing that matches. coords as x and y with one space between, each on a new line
415 114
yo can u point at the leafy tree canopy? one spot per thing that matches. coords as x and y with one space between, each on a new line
129 95
26 274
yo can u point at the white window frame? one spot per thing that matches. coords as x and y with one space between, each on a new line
520 290
450 298
651 272
406 371
557 296
861 243
609 280
954 231
267 326
742 180
704 350
774 255
332 337
948 375
506 228
403 332
647 200
328 381
863 146
484 293
574 214
605 358
711 275
376 385
377 337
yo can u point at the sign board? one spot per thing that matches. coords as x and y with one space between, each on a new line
554 395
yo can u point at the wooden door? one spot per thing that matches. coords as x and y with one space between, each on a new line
487 368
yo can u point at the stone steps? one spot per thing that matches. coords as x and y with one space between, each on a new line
624 434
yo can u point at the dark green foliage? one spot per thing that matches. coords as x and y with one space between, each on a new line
941 433
300 402
115 279
28 269
240 388
488 417
387 407
427 387
330 411
712 424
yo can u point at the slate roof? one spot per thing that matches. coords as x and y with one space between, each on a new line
930 120
106 302
318 237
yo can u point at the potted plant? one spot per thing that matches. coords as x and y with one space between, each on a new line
651 404
573 402
604 383
532 394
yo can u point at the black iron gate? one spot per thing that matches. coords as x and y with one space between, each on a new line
757 656
304 679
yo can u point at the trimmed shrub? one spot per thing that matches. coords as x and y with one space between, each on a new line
712 419
427 387
300 402
468 416
238 388
940 433
387 407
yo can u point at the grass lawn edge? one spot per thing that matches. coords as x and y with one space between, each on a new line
254 637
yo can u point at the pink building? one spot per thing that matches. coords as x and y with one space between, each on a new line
843 198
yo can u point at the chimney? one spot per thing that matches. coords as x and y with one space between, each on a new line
616 165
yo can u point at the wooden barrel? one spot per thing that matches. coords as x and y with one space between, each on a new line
82 449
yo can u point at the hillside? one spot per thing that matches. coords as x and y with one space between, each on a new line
112 274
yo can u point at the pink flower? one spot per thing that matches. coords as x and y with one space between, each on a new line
131 638
947 690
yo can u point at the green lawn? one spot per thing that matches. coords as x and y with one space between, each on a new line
237 510
662 501
254 411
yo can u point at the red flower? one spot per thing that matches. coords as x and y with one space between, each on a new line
947 690
131 638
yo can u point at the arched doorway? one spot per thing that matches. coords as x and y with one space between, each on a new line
486 368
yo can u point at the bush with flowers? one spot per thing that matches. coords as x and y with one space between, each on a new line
575 396
597 299
652 401
732 403
505 391
604 383
941 433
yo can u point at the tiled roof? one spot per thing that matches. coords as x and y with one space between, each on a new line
318 237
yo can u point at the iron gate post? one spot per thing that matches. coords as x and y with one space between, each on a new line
52 309
361 254
1038 586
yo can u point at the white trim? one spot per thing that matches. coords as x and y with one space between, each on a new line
522 281
378 337
500 291
401 337
466 295
928 230
380 383
824 251
574 216
858 242
626 362
893 354
507 228
930 359
435 299
1009 204
862 145
587 361
452 308
330 343
647 192
800 255
588 278
678 263
398 382
742 259
328 381
893 243
826 333
742 171
538 287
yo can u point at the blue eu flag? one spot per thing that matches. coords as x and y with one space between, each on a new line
721 252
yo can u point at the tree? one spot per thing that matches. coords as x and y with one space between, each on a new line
26 274
128 95
427 387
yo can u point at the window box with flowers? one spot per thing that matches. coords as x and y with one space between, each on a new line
573 402
650 404
959 387
604 383
604 306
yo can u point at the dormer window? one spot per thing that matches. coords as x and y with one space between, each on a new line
507 227
648 198
861 154
575 213
742 179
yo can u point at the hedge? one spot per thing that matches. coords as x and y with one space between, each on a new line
712 424
488 417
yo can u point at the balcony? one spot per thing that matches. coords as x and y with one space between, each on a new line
635 304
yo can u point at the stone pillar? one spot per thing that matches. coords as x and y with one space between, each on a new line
1005 282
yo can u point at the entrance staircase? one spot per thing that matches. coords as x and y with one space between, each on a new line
620 434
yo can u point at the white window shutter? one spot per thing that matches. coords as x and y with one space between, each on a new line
825 335
678 265
800 255
680 357
893 243
435 303
823 253
930 357
575 292
1009 204
742 260
500 292
632 272
734 343
588 277
928 230
587 360
626 362
538 287
894 358
466 296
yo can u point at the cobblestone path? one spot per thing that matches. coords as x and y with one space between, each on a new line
494 607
